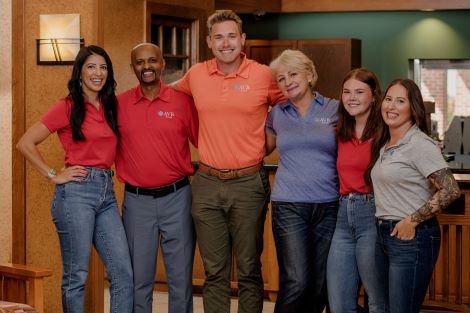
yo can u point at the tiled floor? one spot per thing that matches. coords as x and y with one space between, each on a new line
160 303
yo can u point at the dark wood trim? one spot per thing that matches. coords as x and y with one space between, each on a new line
249 6
18 128
95 284
199 15
371 5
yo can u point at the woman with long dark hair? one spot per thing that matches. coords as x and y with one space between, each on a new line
412 183
352 253
84 207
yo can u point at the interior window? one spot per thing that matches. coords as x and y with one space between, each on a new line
447 84
173 36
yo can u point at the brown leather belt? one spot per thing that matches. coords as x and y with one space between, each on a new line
229 174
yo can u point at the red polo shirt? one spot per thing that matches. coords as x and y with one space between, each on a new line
353 158
99 147
153 150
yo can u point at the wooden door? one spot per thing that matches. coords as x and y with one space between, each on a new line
264 51
333 59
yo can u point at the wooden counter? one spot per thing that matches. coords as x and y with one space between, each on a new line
450 283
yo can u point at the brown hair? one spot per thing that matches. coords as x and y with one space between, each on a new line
418 117
222 16
347 123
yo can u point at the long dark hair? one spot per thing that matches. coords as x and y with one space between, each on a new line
418 118
346 123
106 94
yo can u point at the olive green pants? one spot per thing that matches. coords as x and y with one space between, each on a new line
229 216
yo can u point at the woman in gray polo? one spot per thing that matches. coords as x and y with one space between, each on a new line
412 183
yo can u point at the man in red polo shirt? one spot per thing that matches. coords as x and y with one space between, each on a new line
153 159
231 189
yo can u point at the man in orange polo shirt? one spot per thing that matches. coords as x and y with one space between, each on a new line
231 189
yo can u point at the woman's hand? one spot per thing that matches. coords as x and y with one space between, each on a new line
404 229
70 174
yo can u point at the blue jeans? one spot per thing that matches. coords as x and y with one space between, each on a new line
352 257
86 213
302 234
407 265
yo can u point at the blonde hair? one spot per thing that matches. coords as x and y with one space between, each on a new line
296 60
223 16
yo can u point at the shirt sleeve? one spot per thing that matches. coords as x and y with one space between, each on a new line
275 95
193 123
427 157
184 85
270 122
57 117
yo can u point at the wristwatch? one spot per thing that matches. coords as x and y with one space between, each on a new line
51 173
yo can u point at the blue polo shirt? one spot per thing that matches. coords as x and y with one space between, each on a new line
307 151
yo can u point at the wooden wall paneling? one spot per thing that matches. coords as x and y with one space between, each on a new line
188 4
333 59
198 269
249 6
264 51
450 284
18 128
453 263
370 5
465 265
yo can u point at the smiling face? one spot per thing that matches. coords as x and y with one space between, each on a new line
148 64
396 109
93 75
293 83
357 98
226 42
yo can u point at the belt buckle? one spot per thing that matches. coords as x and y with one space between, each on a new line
226 174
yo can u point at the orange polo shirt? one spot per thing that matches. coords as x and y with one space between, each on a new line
232 111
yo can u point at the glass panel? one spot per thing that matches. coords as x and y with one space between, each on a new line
154 34
174 69
167 36
447 84
180 41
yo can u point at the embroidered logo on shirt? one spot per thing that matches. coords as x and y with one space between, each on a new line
166 114
242 88
322 120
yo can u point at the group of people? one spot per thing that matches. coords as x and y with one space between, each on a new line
354 200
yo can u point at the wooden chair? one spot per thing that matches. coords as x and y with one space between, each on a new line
23 284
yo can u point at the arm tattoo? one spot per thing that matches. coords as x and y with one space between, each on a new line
447 192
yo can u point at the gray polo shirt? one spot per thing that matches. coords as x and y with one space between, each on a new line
400 175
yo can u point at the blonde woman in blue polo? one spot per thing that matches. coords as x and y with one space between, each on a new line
305 193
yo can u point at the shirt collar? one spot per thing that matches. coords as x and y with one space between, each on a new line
164 94
318 99
409 134
243 70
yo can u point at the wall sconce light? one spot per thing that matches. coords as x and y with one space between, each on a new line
60 39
